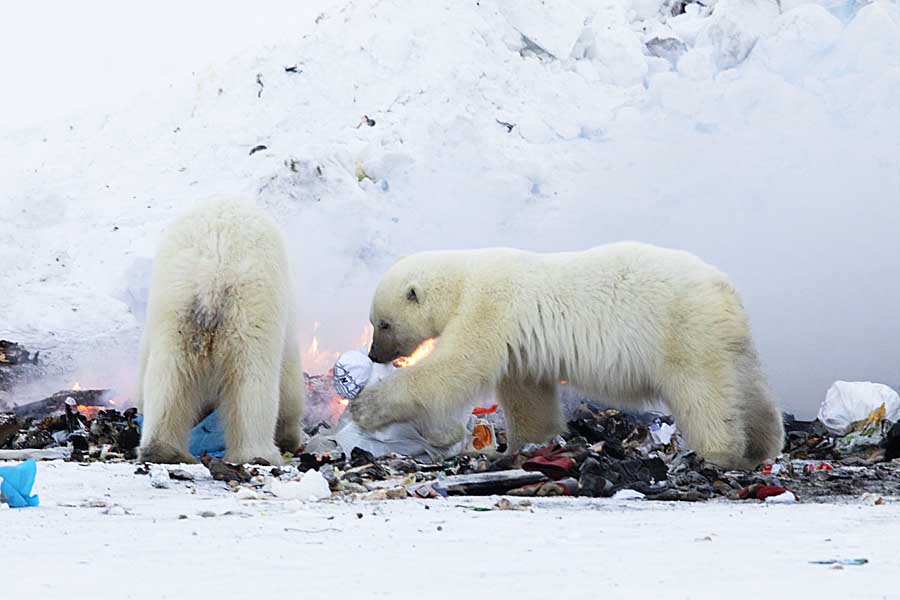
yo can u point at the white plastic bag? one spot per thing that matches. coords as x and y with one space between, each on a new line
353 371
848 402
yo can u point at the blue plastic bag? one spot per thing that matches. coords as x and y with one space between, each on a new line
17 483
207 437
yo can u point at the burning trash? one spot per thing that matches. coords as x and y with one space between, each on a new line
604 452
81 423
353 371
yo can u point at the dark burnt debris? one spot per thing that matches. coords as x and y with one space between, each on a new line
79 421
603 453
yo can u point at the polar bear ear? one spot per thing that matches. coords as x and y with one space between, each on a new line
413 293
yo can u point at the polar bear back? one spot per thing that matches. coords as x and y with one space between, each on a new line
224 255
616 313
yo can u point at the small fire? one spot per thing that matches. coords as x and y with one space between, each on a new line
424 349
315 360
89 411
343 402
76 387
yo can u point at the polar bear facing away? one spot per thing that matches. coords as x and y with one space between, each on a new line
626 321
220 333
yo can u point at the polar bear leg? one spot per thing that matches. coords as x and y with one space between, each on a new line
290 408
142 374
170 410
249 405
763 421
705 408
533 413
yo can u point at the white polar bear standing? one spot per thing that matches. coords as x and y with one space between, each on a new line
626 321
220 333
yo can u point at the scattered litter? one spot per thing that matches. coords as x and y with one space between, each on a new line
312 486
628 495
391 493
180 475
872 499
844 562
506 504
785 497
662 433
208 437
16 483
475 508
563 487
159 477
759 491
849 402
482 484
223 471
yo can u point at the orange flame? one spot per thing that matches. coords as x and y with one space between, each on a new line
76 387
424 349
89 411
315 360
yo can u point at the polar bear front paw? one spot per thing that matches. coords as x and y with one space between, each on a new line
253 455
161 453
372 410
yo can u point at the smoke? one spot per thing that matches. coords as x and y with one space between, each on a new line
785 184
796 215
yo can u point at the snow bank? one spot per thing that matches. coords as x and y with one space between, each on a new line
762 139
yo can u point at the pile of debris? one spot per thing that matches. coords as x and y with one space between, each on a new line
605 453
71 424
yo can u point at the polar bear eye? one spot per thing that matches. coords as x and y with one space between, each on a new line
384 325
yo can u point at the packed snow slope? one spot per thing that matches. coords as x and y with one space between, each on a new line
763 137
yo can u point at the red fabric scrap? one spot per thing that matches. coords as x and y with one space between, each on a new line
554 467
758 491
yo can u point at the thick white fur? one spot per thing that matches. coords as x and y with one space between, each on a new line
220 333
627 321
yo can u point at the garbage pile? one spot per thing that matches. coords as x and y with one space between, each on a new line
849 449
604 453
71 424
610 453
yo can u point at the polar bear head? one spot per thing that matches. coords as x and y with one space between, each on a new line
413 303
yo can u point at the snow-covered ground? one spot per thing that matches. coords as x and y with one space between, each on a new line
78 544
764 138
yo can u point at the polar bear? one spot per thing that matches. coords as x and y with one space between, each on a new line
220 333
626 321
